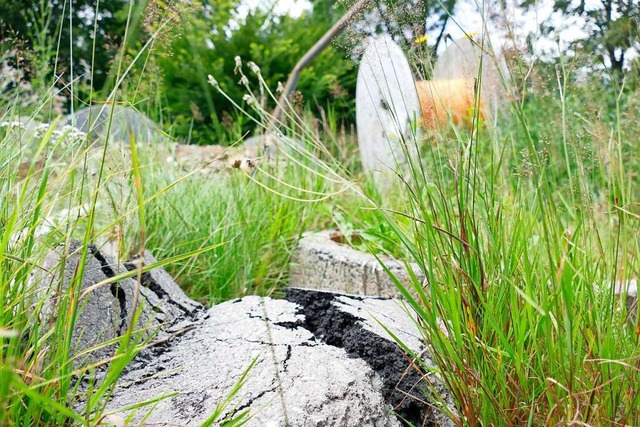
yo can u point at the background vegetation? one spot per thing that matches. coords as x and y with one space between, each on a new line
189 41
521 229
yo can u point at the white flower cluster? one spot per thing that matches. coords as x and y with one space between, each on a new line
11 125
70 132
64 135
250 100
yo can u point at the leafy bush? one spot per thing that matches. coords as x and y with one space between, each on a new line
198 48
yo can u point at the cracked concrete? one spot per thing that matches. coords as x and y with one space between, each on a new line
322 360
105 313
352 323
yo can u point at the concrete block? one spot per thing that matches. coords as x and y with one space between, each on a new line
321 263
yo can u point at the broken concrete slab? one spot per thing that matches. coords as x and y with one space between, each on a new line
214 159
321 360
105 313
321 263
205 158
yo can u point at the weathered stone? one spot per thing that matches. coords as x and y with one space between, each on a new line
207 158
216 158
322 359
116 122
320 263
106 312
269 144
259 145
211 159
173 301
387 111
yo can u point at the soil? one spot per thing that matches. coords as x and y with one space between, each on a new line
404 388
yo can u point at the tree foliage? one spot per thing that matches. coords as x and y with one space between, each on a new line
611 26
84 41
274 42
409 20
78 35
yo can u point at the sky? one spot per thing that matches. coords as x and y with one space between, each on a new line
292 7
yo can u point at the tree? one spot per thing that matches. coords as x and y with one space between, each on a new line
408 22
65 31
207 40
209 35
611 25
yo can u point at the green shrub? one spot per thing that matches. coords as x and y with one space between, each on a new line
198 47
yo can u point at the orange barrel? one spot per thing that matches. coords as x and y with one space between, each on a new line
444 100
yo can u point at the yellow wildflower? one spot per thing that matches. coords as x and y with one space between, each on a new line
421 40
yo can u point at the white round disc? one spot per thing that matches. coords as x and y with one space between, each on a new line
387 109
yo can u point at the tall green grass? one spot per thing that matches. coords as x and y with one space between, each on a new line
55 186
40 377
522 232
259 215
50 183
228 235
